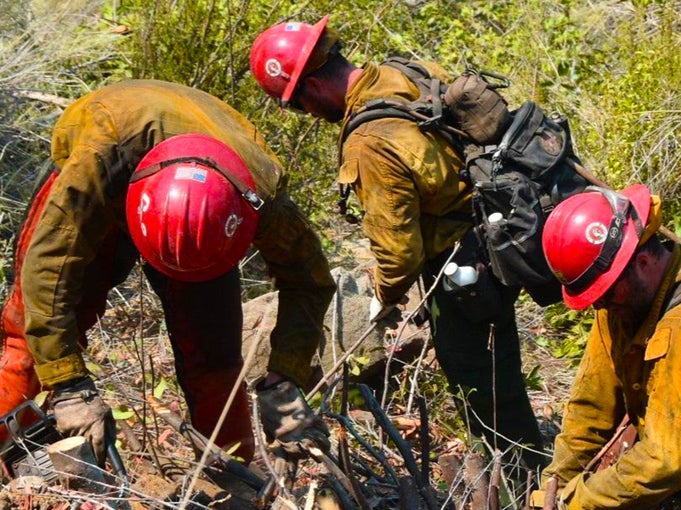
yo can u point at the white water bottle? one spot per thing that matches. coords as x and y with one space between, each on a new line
495 217
458 276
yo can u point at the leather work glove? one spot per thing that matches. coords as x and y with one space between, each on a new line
386 316
287 418
80 411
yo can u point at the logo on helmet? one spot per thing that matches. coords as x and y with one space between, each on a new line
273 67
596 232
552 144
143 207
232 224
191 173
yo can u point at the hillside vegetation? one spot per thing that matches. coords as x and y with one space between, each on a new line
612 67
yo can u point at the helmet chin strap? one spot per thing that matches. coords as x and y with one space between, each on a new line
247 193
622 211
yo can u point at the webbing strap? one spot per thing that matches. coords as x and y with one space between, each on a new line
249 194
622 209
675 299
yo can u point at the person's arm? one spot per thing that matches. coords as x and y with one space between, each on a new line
300 271
594 410
76 217
651 470
78 213
381 174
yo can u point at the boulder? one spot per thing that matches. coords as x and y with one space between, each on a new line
345 322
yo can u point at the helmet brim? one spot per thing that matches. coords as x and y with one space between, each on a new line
639 195
305 53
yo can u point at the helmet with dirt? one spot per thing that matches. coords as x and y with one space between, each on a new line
187 210
590 238
287 52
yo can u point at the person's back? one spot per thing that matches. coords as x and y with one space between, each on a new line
123 121
75 245
407 181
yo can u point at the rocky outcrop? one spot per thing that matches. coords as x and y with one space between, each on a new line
345 322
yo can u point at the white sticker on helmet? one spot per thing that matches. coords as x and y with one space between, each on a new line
232 224
273 67
191 173
293 26
596 232
145 202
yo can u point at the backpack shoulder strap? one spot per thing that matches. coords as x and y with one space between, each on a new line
675 298
413 70
427 111
373 110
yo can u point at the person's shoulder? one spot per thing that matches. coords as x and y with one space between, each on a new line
435 70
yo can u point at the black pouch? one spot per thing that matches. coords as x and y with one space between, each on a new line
511 221
534 143
480 301
515 186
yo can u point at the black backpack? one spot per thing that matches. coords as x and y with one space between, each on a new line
519 165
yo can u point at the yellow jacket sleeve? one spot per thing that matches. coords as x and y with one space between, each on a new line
301 274
79 212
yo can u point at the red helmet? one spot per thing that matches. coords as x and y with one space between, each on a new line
284 53
590 237
184 211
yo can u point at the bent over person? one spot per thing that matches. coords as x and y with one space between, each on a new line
200 186
416 209
604 248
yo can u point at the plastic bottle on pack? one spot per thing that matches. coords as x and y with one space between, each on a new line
494 218
458 276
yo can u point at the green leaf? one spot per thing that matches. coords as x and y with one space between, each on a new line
122 412
160 388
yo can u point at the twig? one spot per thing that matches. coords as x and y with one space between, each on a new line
405 321
425 438
200 443
384 422
267 490
408 499
340 362
311 496
493 494
528 489
218 425
44 97
414 377
348 425
550 494
344 454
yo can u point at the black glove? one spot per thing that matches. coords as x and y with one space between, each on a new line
287 418
80 411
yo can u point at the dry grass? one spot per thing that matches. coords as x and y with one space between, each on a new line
130 355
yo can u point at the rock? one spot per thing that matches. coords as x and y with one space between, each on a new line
345 322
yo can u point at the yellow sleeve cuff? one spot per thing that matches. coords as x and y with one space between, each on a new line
61 370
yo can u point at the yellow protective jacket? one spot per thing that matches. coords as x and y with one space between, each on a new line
96 145
406 181
638 374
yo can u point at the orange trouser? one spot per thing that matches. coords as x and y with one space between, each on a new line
204 323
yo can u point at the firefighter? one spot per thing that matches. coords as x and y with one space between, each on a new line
176 175
416 208
603 247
